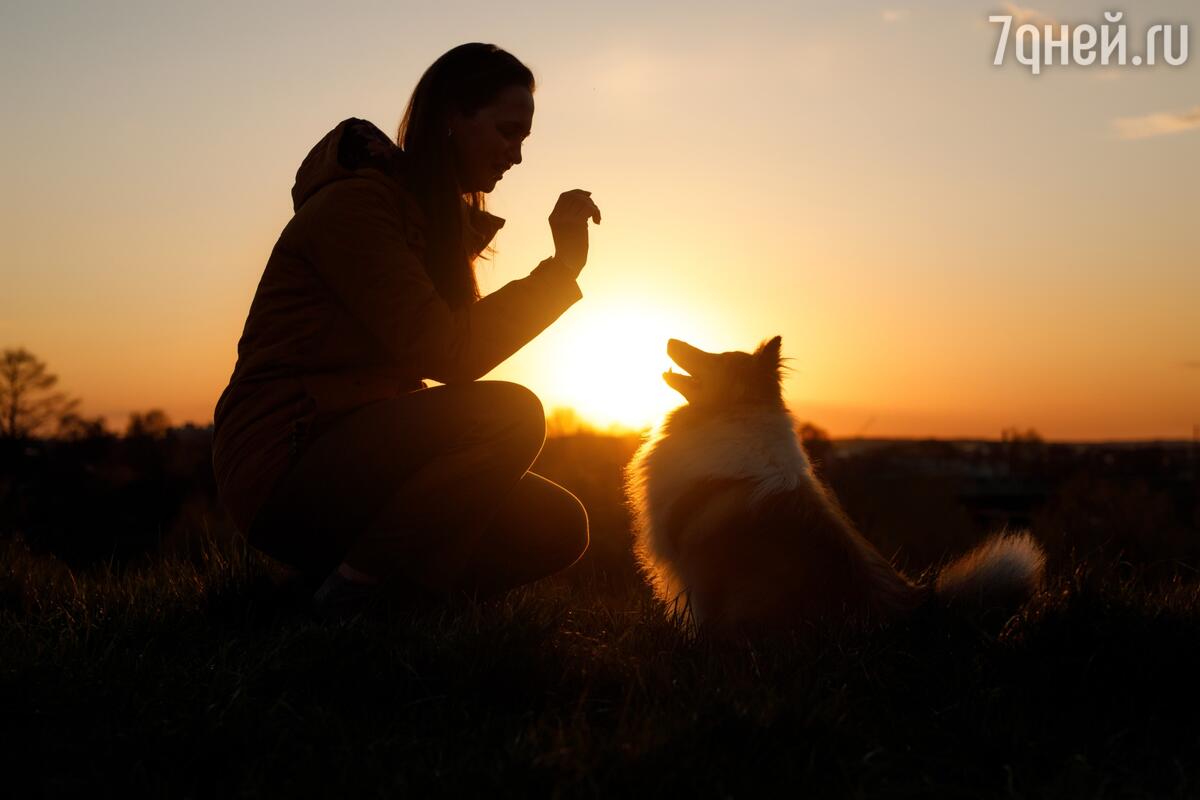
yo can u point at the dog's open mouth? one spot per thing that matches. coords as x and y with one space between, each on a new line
680 382
687 358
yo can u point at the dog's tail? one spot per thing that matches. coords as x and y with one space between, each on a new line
1004 571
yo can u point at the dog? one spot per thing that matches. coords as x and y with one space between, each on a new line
734 531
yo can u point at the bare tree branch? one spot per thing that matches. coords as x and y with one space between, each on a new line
25 408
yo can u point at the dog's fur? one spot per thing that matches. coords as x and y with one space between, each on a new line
734 531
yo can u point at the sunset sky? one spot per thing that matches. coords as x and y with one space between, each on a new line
947 247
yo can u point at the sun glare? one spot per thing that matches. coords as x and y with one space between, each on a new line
608 364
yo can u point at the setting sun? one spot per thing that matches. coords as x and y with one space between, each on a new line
607 363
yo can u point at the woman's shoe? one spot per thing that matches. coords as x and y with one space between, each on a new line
340 598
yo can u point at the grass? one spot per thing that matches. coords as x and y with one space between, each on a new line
198 671
206 676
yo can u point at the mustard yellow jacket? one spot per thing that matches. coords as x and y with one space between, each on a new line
345 313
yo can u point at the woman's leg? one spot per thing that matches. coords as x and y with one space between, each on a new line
540 528
409 486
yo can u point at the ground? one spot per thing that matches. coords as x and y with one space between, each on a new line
199 671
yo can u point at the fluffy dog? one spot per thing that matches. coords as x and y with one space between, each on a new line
734 531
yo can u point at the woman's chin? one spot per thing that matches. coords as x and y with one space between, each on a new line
483 186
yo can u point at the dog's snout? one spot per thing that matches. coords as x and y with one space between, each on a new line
684 354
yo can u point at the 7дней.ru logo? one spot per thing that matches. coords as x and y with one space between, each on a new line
1085 45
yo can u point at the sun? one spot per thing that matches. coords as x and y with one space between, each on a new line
607 363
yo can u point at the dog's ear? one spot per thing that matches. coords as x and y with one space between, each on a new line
768 352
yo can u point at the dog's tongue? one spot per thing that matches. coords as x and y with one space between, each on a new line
680 383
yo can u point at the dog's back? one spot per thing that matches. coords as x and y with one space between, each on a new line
744 562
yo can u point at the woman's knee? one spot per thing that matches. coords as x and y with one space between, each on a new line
520 411
571 526
581 531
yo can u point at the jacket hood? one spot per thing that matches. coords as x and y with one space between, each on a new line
356 148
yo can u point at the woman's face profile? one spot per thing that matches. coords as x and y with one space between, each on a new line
487 143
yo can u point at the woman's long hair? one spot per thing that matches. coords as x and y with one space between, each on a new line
465 79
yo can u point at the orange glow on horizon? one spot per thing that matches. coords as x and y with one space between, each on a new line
948 248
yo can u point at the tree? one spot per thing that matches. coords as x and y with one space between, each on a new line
73 427
1027 446
816 442
25 406
154 424
565 421
1014 435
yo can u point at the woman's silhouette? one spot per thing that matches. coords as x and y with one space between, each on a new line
330 453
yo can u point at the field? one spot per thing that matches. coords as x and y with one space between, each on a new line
189 666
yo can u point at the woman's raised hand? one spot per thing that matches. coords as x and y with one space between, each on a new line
568 225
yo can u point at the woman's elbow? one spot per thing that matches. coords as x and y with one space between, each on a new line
456 378
445 354
452 373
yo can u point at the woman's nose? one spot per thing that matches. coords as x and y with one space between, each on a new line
514 154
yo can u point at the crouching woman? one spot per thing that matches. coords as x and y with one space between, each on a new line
331 454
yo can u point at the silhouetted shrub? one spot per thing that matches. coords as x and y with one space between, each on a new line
102 498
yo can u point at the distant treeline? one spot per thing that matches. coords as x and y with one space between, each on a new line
104 498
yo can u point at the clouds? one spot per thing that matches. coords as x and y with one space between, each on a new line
894 14
1160 124
1031 16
